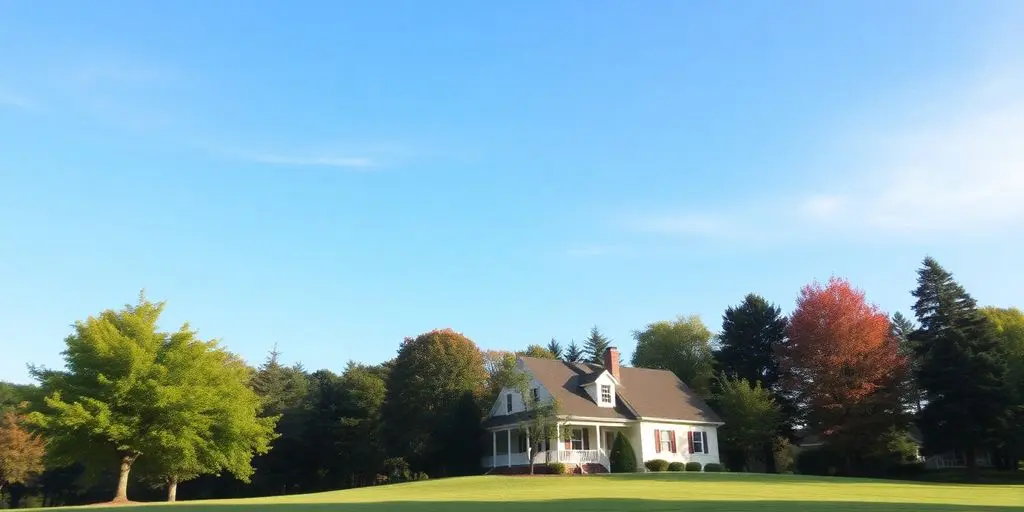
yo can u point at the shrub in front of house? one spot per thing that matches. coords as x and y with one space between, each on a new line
622 458
656 465
557 468
676 466
693 466
713 467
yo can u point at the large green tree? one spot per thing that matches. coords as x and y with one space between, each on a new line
284 391
595 345
1008 325
751 334
428 413
962 368
363 389
209 418
752 419
126 393
682 346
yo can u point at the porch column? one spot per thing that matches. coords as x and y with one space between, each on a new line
494 448
508 433
597 429
558 442
529 447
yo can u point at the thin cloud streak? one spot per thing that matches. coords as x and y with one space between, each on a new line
342 162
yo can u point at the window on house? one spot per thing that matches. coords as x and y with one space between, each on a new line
698 441
606 394
522 442
576 439
666 441
508 403
535 394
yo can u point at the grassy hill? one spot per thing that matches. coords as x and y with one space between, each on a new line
639 492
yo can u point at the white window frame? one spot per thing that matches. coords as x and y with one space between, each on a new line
606 393
698 442
574 441
508 403
665 436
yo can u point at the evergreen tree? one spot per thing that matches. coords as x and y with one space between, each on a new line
961 369
902 329
572 353
555 348
751 333
594 346
622 457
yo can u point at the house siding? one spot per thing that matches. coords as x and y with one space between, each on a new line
650 452
518 405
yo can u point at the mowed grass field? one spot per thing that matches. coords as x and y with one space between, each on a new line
638 492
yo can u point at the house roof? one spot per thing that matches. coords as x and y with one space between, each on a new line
650 393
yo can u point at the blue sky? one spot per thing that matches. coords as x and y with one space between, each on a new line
335 176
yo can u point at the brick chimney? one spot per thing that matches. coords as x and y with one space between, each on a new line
611 362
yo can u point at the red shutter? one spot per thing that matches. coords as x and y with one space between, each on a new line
568 442
689 440
704 435
657 441
673 443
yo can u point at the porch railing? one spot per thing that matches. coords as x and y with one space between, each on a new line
573 457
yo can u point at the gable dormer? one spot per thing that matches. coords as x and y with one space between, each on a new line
601 388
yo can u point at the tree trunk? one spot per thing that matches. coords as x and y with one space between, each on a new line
172 489
122 482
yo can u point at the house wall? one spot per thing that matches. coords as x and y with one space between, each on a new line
646 443
594 390
499 407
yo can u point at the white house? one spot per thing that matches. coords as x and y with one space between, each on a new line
659 414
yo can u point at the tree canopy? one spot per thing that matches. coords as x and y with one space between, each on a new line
842 366
21 452
131 390
538 351
751 333
962 368
436 380
573 353
751 417
682 346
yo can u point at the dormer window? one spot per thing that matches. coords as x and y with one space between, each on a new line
606 394
508 403
536 395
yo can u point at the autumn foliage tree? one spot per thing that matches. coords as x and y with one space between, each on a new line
842 366
21 453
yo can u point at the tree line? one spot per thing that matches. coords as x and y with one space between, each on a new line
167 414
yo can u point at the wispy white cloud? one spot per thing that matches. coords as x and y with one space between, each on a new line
342 162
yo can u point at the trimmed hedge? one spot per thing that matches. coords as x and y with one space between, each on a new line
656 465
558 468
622 458
676 466
693 466
713 467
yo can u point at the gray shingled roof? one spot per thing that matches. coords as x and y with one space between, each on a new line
651 393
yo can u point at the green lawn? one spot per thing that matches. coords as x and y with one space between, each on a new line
640 492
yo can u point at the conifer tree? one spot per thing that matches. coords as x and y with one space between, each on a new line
572 353
961 371
595 345
555 348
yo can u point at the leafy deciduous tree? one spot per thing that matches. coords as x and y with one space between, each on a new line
1008 324
682 346
426 404
21 452
842 366
962 368
751 416
538 351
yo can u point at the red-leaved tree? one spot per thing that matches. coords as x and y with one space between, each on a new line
842 367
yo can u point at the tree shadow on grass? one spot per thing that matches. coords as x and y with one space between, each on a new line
765 478
578 505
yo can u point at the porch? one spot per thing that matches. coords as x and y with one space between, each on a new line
585 446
